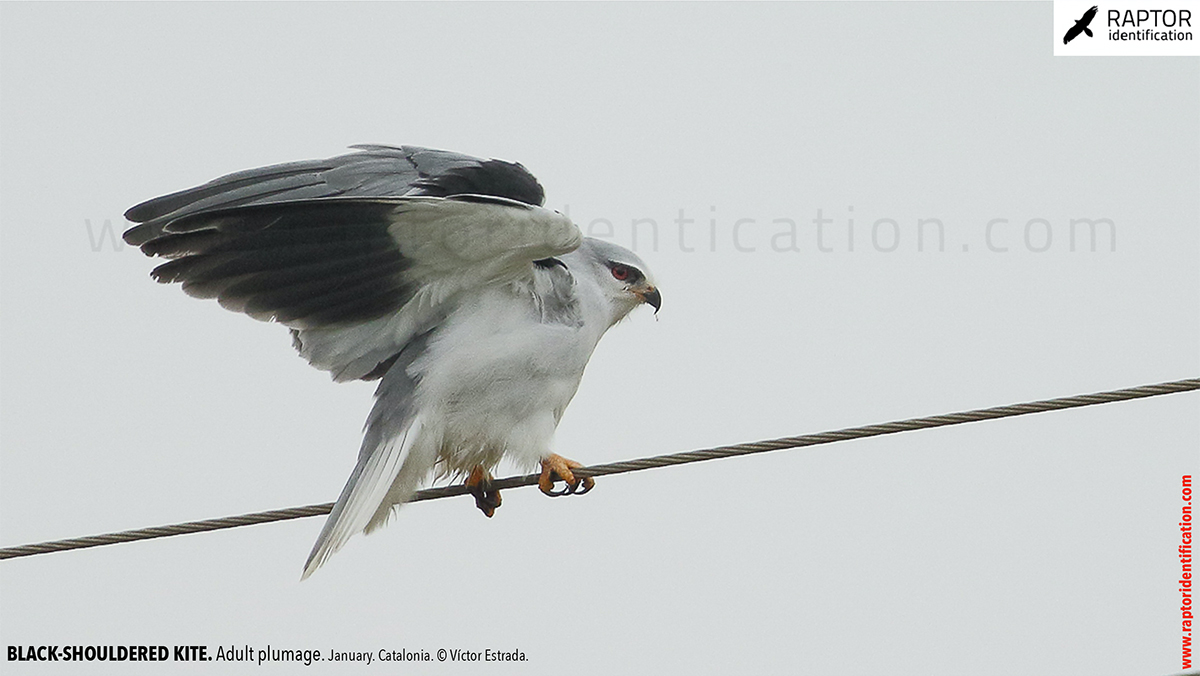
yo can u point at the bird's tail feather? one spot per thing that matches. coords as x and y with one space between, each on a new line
388 473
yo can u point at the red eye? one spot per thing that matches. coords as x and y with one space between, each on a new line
620 272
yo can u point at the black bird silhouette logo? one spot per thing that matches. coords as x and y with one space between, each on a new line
1081 26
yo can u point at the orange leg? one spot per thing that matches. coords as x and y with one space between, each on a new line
556 468
487 499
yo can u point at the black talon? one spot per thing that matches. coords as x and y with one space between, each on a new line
567 488
487 499
578 488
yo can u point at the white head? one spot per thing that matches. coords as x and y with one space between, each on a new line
624 279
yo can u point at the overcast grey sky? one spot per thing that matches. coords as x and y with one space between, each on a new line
1043 544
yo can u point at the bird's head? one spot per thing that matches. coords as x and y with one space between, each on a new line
624 279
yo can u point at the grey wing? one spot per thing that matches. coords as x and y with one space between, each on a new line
356 278
373 171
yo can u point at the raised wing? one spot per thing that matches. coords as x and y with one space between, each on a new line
374 171
356 278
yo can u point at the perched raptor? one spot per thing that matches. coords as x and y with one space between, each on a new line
439 274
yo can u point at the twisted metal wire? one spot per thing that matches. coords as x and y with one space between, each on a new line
629 465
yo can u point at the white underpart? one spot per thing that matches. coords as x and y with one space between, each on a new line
493 383
497 380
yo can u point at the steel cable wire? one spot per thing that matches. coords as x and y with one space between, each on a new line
629 465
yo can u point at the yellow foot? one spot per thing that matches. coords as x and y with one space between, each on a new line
487 499
555 468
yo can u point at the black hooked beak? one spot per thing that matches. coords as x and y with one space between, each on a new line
652 297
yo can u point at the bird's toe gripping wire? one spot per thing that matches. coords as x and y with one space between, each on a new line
487 498
557 468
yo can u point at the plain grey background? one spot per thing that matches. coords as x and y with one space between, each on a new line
1043 544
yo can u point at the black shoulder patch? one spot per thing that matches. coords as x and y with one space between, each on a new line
548 263
496 178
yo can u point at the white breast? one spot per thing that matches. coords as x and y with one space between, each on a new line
495 380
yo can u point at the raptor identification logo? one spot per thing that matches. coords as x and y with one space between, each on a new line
1128 28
